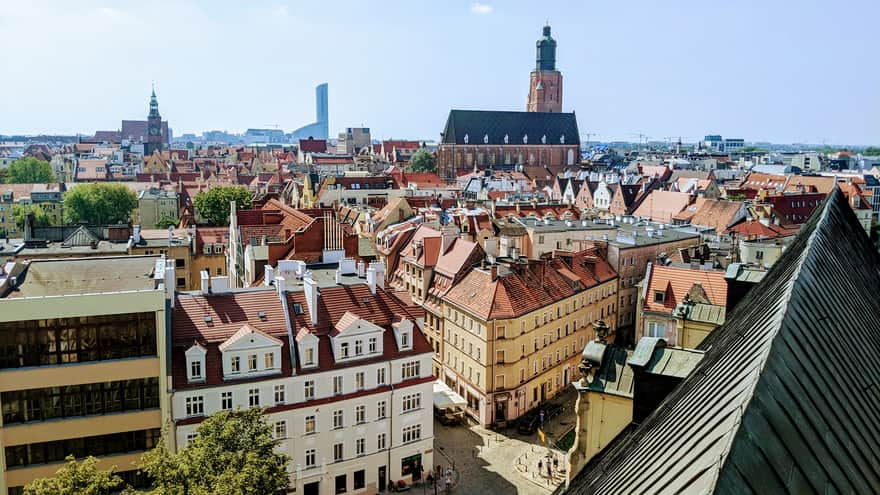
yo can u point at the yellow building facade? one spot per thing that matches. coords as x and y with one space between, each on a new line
507 366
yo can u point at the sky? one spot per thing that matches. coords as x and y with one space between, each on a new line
763 70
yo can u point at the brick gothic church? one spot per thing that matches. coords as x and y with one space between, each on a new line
539 142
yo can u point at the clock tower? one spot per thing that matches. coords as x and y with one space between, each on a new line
545 83
154 127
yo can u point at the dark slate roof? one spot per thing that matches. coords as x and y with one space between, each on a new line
478 124
785 399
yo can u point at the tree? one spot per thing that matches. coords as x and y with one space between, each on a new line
99 204
422 161
20 212
29 170
871 151
213 204
166 222
233 452
77 478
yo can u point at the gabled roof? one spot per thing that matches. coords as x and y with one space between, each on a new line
784 400
81 237
490 127
245 331
677 282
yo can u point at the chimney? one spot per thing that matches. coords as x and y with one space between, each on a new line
169 281
361 267
312 294
206 282
269 275
219 284
136 234
338 276
280 284
493 270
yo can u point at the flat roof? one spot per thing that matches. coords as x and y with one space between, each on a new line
72 276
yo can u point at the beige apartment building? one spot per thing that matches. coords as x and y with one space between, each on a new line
513 333
81 369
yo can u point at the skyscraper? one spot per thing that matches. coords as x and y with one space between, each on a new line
319 129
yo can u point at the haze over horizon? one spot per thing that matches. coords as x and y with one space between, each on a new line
761 72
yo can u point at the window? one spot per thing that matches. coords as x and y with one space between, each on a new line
337 419
358 347
380 376
181 282
269 359
359 446
659 297
404 340
411 370
343 349
310 458
254 397
341 481
310 424
252 362
190 437
360 414
759 255
297 309
337 453
226 401
195 369
381 409
359 479
195 406
372 345
235 364
280 429
279 394
656 329
412 433
219 271
337 384
380 442
412 402
310 357
309 389
359 380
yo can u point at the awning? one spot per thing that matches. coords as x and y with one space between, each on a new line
446 398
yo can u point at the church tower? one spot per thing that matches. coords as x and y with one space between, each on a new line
545 85
154 127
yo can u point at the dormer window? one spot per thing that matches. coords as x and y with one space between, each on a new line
372 345
404 341
343 349
297 309
358 347
195 363
310 357
235 364
252 362
659 297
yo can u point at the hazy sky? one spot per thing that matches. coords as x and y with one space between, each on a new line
784 71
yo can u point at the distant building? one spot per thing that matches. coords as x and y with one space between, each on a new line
264 136
319 129
539 142
353 140
153 132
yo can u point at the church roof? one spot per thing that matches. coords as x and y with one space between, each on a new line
490 127
784 399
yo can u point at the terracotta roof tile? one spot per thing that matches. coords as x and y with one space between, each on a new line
675 282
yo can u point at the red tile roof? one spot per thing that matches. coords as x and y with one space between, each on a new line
675 282
528 288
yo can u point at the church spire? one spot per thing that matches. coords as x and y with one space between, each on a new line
154 103
546 45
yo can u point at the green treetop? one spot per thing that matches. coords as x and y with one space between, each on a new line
213 204
29 170
99 204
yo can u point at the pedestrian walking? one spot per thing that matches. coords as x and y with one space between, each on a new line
549 471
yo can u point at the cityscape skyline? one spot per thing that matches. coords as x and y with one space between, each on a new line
769 81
